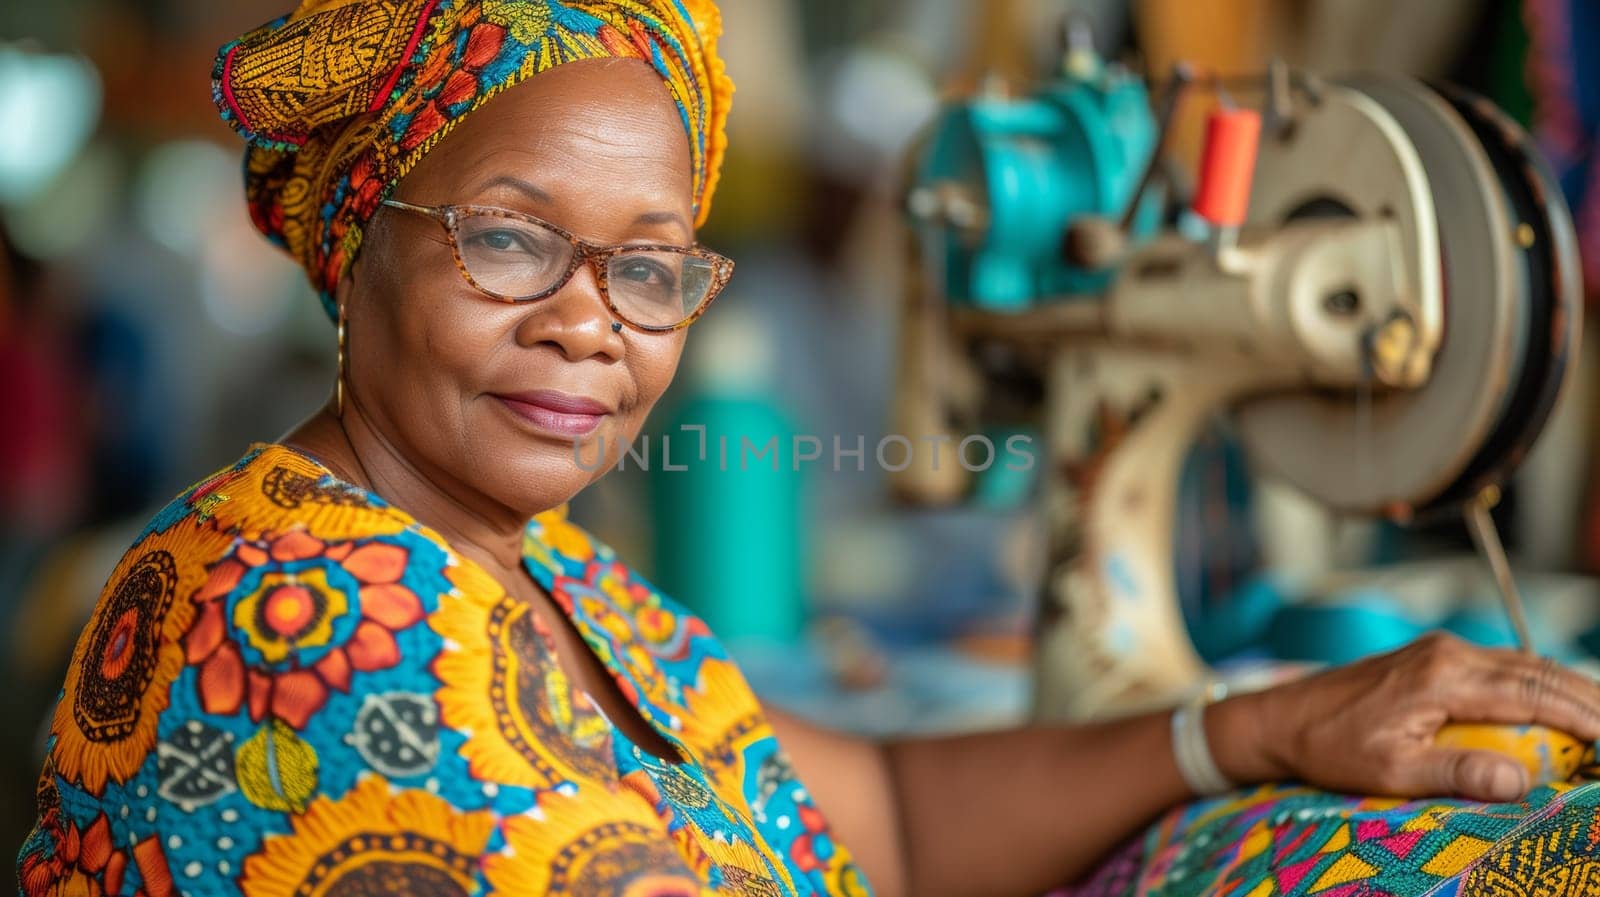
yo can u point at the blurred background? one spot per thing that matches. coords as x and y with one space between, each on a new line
148 335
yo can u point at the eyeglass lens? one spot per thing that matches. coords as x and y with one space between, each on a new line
519 259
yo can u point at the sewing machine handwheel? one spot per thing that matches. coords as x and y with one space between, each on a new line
1505 255
1552 282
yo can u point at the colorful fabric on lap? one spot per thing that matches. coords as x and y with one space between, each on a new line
1287 842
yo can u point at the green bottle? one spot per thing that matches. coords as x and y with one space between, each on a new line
728 500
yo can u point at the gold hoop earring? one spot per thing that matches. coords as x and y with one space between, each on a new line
338 383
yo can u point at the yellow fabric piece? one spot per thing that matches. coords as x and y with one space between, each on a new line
1462 851
1339 841
1346 869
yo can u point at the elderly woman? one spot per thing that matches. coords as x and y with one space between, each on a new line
376 657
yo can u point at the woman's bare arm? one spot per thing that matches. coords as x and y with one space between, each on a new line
1021 811
994 813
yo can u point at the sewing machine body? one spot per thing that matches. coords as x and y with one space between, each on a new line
1388 328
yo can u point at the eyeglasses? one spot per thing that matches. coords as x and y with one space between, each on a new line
514 257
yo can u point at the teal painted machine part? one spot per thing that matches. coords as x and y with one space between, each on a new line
730 543
1341 632
1077 147
1264 618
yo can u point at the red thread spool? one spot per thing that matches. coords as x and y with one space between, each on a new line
1226 165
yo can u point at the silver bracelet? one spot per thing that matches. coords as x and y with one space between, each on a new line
1193 753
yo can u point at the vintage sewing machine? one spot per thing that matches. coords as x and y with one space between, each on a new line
1383 294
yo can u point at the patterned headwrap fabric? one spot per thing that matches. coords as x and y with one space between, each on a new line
341 98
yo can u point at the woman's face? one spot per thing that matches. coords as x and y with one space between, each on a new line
460 384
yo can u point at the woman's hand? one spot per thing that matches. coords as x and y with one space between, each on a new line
1369 727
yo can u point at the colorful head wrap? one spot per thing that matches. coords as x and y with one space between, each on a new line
341 98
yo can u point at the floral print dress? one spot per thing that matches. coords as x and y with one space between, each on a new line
290 688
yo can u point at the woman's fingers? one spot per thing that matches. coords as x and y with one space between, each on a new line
1401 700
1509 687
1472 774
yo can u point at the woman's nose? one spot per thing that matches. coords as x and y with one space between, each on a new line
574 319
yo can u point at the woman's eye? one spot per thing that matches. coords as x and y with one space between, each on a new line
503 241
648 272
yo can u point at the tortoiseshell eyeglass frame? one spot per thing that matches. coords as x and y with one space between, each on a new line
596 256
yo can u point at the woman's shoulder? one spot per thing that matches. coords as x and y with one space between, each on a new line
273 488
283 662
261 591
262 648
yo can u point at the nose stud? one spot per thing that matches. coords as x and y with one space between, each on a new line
616 326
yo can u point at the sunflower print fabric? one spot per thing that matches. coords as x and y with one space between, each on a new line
340 99
290 688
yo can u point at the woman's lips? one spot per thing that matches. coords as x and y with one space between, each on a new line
556 412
